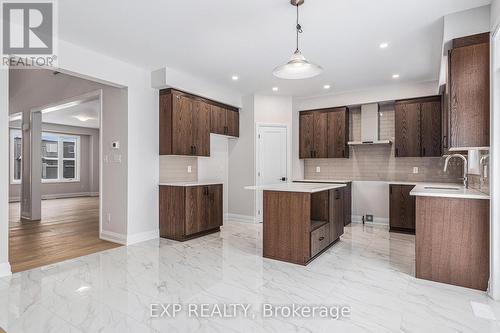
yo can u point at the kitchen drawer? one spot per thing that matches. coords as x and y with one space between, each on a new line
320 239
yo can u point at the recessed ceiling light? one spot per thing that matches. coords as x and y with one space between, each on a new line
275 89
383 45
395 76
326 86
235 77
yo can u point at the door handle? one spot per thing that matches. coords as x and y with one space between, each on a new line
283 179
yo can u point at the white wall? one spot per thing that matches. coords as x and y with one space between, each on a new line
242 165
4 173
257 109
460 24
171 78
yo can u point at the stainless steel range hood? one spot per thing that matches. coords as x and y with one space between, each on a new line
369 126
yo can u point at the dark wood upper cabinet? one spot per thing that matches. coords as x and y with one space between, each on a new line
324 133
232 123
201 128
468 118
338 133
407 126
401 208
225 121
186 122
320 134
217 120
430 129
418 127
306 135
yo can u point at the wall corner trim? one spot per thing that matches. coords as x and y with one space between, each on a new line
5 269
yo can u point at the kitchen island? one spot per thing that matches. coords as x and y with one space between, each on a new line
301 220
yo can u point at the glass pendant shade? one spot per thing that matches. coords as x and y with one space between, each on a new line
297 68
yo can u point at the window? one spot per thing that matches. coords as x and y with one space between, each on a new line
16 153
60 157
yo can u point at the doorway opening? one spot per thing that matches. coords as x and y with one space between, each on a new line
271 160
55 201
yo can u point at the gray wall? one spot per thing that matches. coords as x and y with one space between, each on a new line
89 166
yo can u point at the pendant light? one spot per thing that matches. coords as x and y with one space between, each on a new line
298 67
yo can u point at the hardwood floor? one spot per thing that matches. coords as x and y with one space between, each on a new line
69 229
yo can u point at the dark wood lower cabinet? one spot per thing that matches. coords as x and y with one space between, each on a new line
188 212
401 209
453 241
300 226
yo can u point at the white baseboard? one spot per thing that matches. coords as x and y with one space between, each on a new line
129 239
240 218
113 237
61 196
376 220
5 269
143 236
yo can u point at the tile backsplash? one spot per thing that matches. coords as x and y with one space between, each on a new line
378 162
175 168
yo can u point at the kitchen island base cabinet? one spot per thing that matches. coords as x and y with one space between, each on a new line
188 212
299 226
452 241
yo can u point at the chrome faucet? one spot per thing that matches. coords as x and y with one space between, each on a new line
466 169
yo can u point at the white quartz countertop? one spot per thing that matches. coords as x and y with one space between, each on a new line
296 187
335 181
447 191
192 183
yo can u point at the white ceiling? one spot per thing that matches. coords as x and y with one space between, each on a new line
83 115
218 38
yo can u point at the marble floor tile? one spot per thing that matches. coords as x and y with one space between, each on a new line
370 271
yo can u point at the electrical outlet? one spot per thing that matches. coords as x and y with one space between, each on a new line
109 217
189 169
415 169
318 169
369 218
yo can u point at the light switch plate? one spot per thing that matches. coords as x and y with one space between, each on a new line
318 169
415 169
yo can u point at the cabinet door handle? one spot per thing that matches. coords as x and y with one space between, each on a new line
343 153
397 152
321 238
311 154
423 151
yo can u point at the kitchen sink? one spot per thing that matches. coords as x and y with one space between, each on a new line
441 188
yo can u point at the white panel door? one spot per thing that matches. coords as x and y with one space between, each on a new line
271 159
